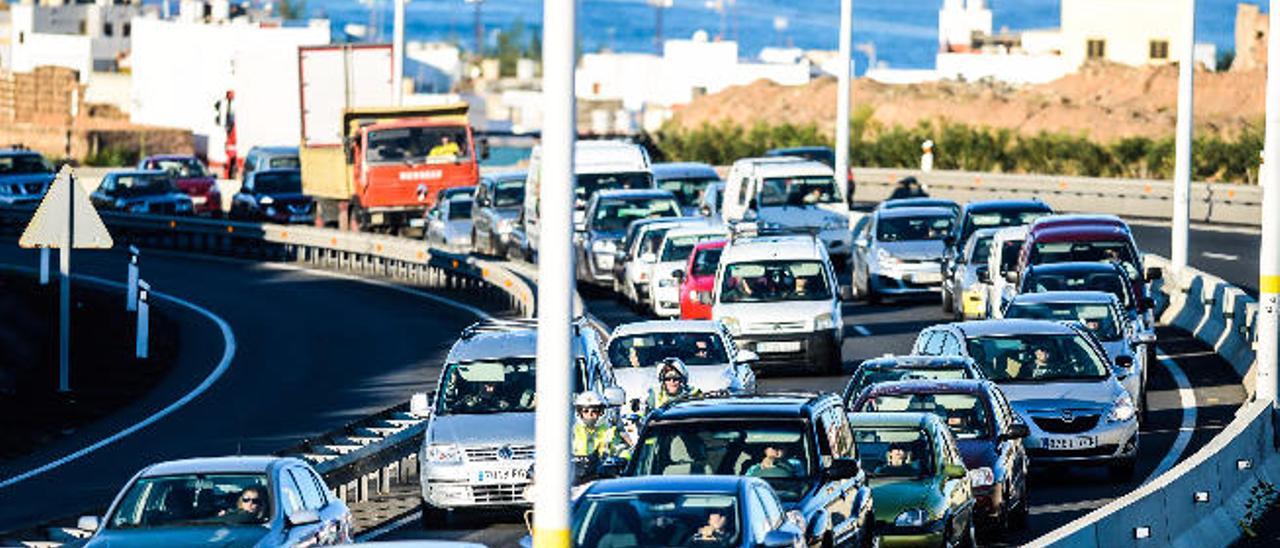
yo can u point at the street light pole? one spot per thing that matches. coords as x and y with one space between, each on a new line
555 278
1269 262
1182 168
397 46
842 97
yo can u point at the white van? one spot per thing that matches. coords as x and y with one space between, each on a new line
779 297
597 165
790 193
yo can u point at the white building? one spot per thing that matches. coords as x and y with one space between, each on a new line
84 37
1129 32
959 21
433 66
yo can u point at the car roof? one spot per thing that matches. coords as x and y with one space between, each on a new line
240 464
1012 327
18 152
896 419
275 150
171 157
807 148
790 406
710 244
918 202
516 343
984 233
928 386
766 248
504 176
1085 267
791 166
666 484
275 170
637 193
605 156
900 212
919 362
1077 219
1065 297
696 231
120 172
1081 233
1003 205
675 170
666 326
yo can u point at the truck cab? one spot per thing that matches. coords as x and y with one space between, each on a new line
400 166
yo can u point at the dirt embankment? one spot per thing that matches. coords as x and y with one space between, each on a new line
1104 102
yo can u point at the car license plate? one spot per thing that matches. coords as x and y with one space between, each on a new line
1067 444
417 223
786 346
502 475
199 200
927 277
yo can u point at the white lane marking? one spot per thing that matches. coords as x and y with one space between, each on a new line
1187 395
863 331
228 352
385 528
1206 227
1220 256
386 285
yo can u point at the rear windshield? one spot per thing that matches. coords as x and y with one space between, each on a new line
965 414
688 191
904 229
1117 251
999 219
178 167
799 191
1106 282
1098 318
23 164
588 184
678 248
649 349
616 215
277 183
459 210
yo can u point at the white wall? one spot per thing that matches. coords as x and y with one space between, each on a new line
64 50
958 19
111 88
1128 26
182 69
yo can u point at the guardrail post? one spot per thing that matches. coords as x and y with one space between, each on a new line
384 479
1269 262
362 489
131 290
144 321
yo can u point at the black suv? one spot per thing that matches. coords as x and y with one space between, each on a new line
800 443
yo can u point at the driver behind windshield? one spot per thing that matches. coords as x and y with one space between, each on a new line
250 506
774 464
897 462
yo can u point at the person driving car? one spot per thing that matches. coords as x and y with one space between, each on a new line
897 462
716 531
250 506
773 464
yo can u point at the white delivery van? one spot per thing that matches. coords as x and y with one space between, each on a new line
790 192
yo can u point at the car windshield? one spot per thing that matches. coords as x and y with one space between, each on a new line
268 182
688 190
729 448
143 185
870 377
459 210
1036 358
706 261
615 215
479 387
799 191
508 193
999 219
1098 318
651 240
678 248
178 167
194 500
906 229
417 145
588 184
894 452
981 251
965 414
23 164
648 349
1106 282
657 519
1117 251
771 281
284 162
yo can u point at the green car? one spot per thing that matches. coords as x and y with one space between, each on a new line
918 480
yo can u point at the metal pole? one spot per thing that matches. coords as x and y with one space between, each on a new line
1182 170
141 347
1269 262
131 290
842 98
555 277
397 46
44 266
64 293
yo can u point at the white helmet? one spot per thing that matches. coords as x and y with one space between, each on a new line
589 398
673 364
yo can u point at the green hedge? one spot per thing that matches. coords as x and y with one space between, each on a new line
962 147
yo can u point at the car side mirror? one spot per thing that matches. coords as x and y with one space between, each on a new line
1016 431
648 258
954 471
748 356
984 274
303 517
782 537
615 396
611 467
580 227
419 406
1011 277
842 469
484 149
678 275
88 523
1124 362
1155 273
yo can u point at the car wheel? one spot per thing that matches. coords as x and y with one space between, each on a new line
1123 471
434 518
948 303
1019 514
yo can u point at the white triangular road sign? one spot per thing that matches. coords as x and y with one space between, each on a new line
50 224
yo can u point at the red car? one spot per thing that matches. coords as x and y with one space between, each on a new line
699 277
191 177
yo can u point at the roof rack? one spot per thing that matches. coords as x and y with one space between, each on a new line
756 229
495 325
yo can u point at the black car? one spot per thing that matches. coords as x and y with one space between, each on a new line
901 368
801 444
24 177
141 191
275 196
989 214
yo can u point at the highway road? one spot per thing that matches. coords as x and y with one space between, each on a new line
312 353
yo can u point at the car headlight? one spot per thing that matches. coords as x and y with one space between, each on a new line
912 517
603 246
1122 410
505 226
887 259
267 200
824 321
981 477
731 322
443 453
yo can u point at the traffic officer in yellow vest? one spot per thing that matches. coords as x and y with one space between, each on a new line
673 384
593 436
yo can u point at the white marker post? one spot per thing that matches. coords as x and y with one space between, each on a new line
1182 144
44 266
1269 262
555 278
131 291
843 100
144 319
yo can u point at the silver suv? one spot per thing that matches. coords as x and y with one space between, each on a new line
479 442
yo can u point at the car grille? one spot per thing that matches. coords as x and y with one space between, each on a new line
300 209
766 327
1099 451
160 208
500 493
490 453
1079 424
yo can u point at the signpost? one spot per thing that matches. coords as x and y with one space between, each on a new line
65 220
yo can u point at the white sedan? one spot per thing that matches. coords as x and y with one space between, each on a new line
706 348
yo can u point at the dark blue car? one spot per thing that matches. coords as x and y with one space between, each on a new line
24 177
273 196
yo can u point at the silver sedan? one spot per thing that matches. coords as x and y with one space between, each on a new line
898 252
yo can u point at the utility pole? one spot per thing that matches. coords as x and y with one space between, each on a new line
1182 167
843 91
555 278
478 24
659 6
1269 262
397 53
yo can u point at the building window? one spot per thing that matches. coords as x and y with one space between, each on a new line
106 29
128 27
22 37
1159 50
1097 49
83 27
